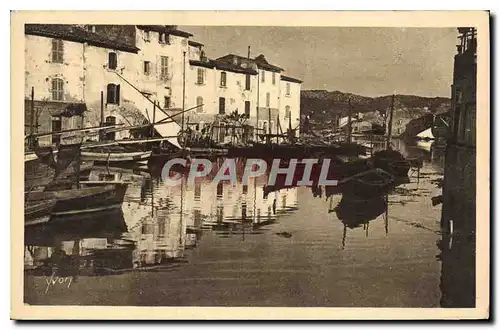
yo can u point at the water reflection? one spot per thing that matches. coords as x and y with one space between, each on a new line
156 225
310 246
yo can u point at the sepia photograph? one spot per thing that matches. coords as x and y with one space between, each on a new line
256 164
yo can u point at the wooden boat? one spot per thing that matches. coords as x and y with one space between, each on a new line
116 157
36 212
373 182
38 174
83 200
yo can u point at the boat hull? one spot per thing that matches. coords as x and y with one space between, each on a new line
83 200
116 157
36 212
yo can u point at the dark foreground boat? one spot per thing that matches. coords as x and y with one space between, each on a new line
392 162
76 202
36 212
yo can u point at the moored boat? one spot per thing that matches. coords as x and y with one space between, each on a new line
82 200
115 157
36 212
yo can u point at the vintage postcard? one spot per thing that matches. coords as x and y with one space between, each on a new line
250 165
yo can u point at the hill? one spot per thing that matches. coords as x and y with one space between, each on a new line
324 105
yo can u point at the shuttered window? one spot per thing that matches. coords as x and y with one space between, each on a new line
112 61
57 89
113 94
57 51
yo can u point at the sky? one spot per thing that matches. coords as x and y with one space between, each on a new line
365 61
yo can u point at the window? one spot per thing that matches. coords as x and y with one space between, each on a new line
247 82
247 108
166 102
56 127
164 67
199 104
163 38
112 61
57 89
113 94
147 68
222 105
287 88
274 78
263 76
287 112
268 99
223 78
110 121
201 76
147 36
57 51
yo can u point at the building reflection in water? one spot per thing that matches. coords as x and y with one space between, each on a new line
156 225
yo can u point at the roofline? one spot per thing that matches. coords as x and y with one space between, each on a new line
291 79
162 28
195 43
108 44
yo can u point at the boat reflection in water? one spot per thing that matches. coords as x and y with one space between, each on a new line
355 213
155 227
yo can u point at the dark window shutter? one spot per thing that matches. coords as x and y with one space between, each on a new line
222 105
118 94
247 108
110 94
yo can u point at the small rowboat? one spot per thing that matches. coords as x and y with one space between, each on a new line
36 212
83 200
116 157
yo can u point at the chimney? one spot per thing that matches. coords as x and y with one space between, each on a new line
249 52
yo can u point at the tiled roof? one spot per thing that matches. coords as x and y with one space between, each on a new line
234 68
223 66
260 61
291 79
169 29
77 34
206 64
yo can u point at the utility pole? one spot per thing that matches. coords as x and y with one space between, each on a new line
389 127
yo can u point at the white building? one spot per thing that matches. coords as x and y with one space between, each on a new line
113 74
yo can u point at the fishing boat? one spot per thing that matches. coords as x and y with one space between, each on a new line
36 212
82 200
369 183
116 156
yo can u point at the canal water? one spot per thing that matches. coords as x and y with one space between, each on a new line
234 245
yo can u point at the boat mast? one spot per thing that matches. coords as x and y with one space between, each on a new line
32 119
154 115
183 88
349 122
101 135
389 127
